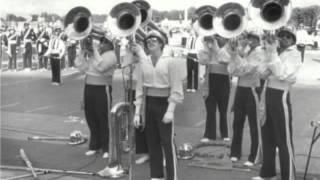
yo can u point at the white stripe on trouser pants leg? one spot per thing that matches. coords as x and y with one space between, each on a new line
259 150
288 134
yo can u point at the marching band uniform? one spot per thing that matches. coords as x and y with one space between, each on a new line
12 41
277 128
98 68
28 36
72 51
42 47
55 52
219 89
194 43
162 88
246 100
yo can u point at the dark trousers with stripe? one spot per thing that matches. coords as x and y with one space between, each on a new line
277 132
140 133
72 53
13 58
245 105
160 139
192 71
55 70
27 56
43 61
219 90
97 99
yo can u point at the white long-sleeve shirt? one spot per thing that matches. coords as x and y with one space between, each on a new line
101 68
166 74
284 68
246 68
56 46
217 61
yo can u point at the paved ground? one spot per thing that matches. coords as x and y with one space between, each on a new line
31 106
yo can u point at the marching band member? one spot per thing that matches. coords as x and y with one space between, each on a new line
159 81
284 64
218 86
28 36
42 47
72 51
246 97
12 41
194 43
98 63
55 52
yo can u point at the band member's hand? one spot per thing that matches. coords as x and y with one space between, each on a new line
136 121
168 117
136 49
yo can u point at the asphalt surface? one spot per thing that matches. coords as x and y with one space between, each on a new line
31 106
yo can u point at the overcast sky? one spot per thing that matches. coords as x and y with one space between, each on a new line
61 7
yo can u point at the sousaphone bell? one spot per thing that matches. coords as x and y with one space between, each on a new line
231 20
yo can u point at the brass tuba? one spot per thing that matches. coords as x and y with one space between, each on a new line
202 21
270 14
78 24
146 18
231 20
124 19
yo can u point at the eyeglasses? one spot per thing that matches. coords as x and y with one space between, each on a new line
152 40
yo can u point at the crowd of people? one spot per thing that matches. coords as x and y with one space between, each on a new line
46 46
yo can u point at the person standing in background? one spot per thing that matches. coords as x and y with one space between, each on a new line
55 52
42 44
28 36
12 41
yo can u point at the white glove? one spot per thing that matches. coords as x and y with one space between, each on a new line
136 121
168 117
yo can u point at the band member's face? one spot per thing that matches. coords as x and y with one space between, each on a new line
285 39
153 44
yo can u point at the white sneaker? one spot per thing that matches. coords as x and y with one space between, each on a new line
257 178
105 155
261 178
193 90
234 159
91 152
188 90
205 140
226 139
142 159
248 163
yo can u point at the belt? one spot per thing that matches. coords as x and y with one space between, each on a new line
158 92
279 84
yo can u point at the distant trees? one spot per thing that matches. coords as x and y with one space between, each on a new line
306 16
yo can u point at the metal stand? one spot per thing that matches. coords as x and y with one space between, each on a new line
315 137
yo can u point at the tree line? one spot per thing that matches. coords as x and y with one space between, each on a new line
307 16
